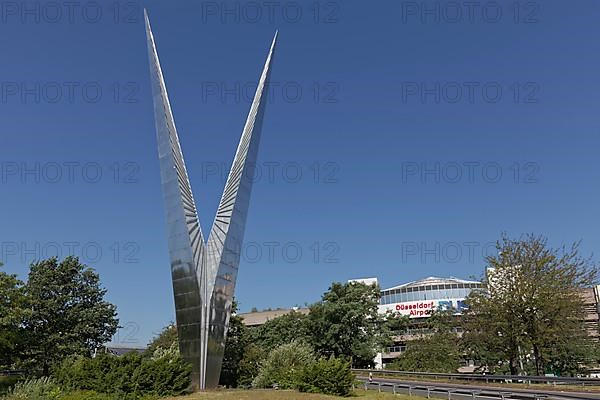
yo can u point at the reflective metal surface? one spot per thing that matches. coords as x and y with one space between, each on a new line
204 274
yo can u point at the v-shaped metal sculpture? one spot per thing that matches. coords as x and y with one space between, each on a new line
204 273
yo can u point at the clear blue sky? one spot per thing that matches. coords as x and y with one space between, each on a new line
367 120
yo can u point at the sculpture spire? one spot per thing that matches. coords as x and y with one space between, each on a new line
204 275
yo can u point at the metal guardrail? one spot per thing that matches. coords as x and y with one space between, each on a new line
430 391
488 378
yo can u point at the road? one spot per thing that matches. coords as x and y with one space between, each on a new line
454 391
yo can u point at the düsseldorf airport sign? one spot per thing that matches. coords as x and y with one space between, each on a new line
424 308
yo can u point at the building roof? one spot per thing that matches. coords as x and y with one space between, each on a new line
260 317
366 281
432 280
122 350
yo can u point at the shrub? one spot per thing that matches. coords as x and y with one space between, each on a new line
131 376
328 376
284 366
165 376
34 389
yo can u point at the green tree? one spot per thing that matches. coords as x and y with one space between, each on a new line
165 339
281 330
533 306
438 350
12 303
250 364
67 313
235 348
346 323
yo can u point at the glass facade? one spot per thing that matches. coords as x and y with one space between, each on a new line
428 292
203 273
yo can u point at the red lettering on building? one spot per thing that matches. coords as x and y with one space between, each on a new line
414 306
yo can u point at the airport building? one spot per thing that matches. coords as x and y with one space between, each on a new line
418 299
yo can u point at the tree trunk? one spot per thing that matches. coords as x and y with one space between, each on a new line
513 365
538 360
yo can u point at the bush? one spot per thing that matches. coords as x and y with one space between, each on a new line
34 389
164 377
293 366
284 366
131 376
328 376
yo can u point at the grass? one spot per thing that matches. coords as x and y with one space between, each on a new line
6 382
284 395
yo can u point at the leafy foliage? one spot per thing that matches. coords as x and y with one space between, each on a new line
284 329
235 348
34 389
436 351
66 312
12 308
131 375
533 309
328 376
165 340
345 323
250 364
285 365
171 352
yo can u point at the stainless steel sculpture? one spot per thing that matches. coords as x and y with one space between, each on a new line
204 273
